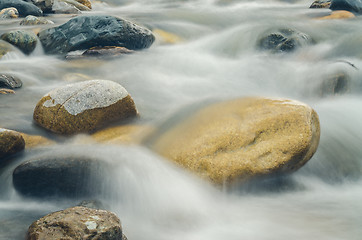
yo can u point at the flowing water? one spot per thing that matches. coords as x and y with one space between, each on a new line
216 58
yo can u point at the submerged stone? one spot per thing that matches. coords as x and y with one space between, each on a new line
24 8
341 14
354 6
84 107
24 40
77 223
241 139
11 142
284 40
84 32
9 13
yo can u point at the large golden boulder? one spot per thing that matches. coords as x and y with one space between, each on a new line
241 139
84 107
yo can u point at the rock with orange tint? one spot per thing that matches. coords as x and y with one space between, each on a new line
338 15
240 139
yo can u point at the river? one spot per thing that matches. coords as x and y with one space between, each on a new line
215 57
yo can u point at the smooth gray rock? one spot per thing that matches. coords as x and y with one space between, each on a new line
354 6
60 175
84 32
10 81
24 8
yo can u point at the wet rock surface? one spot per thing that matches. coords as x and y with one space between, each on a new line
11 142
84 107
240 139
24 8
284 40
44 5
321 4
354 6
84 32
10 81
24 40
77 223
60 175
33 20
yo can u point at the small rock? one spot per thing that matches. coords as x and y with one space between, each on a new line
76 4
354 6
241 139
284 40
86 3
10 81
6 91
44 5
9 13
11 142
77 223
32 20
84 32
24 40
60 175
84 107
321 4
60 7
106 51
24 8
338 15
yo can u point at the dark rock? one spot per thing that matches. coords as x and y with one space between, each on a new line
84 32
9 13
60 7
77 223
10 81
11 142
284 40
84 107
67 175
321 4
24 40
32 20
24 8
44 5
354 6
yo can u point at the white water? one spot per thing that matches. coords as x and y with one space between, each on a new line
217 59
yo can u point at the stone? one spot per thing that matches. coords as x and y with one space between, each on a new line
24 40
11 142
124 134
33 20
44 5
9 13
106 51
5 47
24 8
335 84
60 7
32 141
77 223
338 15
76 4
10 81
354 6
242 139
284 40
84 107
6 91
86 3
84 32
321 4
68 175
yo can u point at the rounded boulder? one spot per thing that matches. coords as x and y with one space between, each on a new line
84 107
240 139
24 40
77 223
11 142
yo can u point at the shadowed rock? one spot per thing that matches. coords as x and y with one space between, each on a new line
24 8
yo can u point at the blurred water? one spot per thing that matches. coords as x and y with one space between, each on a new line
216 59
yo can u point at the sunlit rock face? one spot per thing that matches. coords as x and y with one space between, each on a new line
77 223
240 139
84 32
84 107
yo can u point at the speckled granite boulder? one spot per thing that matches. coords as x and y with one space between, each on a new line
240 139
354 6
84 107
283 40
9 13
24 40
69 175
24 8
77 223
84 32
11 142
32 20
